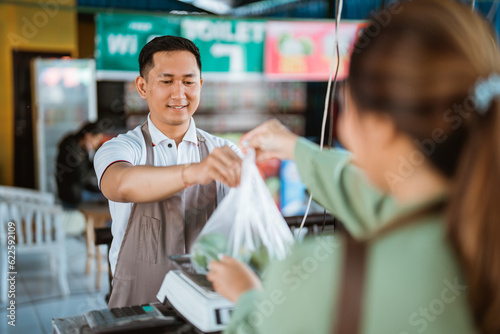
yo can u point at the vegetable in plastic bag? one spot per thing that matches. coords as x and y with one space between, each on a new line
207 248
248 222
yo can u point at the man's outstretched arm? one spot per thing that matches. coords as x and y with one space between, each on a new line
123 182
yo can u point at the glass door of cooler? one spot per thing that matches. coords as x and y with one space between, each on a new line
65 99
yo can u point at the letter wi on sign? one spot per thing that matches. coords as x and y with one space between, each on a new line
120 38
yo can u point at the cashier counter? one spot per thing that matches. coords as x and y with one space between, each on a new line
177 325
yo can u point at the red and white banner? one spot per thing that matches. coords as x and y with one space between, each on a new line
304 50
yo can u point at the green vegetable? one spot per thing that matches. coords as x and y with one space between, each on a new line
259 260
207 248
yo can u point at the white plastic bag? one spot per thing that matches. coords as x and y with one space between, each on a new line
246 225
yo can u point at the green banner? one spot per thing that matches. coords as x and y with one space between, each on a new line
120 38
234 46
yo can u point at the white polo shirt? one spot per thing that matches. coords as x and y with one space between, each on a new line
131 147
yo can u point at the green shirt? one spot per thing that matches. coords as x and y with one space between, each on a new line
413 282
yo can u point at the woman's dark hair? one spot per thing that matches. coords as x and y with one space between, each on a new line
92 128
165 44
421 69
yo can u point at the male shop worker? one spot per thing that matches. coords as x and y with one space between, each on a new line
163 179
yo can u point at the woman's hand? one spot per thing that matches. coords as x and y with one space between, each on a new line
231 278
271 140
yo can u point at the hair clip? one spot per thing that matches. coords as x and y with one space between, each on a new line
485 91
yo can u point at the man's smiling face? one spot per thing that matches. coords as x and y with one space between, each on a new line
172 88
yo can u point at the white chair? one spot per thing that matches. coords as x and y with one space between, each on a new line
38 229
73 220
25 195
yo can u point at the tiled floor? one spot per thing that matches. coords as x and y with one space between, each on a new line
38 297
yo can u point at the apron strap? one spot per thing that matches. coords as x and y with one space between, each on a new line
202 146
350 303
350 300
149 144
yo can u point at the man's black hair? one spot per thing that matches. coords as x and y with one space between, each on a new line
165 44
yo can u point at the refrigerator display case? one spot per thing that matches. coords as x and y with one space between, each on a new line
65 99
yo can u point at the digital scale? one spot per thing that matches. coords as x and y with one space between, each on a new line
193 296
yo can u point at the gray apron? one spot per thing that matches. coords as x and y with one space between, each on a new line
157 230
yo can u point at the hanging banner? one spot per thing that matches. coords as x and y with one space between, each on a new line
304 50
235 46
120 38
298 50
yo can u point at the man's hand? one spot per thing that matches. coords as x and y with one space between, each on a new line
221 165
231 278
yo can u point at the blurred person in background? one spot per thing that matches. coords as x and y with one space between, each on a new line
164 178
423 125
75 176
